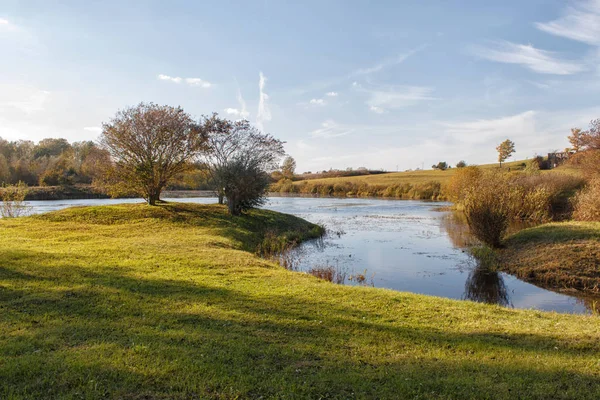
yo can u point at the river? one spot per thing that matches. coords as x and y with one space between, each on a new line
396 244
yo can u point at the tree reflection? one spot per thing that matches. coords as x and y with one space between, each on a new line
486 285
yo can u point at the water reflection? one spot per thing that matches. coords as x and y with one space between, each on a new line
486 285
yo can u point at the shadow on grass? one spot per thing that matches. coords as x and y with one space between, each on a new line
127 335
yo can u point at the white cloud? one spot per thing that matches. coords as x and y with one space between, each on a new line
264 112
331 94
398 97
331 129
95 129
232 111
489 130
198 82
541 61
6 25
189 81
580 22
169 78
318 102
23 98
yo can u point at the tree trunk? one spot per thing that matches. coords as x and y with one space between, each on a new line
221 198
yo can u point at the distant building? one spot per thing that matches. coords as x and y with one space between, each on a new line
556 159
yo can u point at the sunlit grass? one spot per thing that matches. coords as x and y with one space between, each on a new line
562 255
170 302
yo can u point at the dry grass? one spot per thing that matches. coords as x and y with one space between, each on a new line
558 255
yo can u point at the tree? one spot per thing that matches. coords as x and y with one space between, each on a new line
461 164
591 138
505 150
288 167
442 166
577 139
244 180
149 145
229 141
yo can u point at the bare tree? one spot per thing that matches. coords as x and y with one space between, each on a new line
229 140
149 145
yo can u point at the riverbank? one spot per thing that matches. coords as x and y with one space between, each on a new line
132 301
562 256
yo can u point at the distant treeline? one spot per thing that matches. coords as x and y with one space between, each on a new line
57 164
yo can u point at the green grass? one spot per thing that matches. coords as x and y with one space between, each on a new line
170 302
563 255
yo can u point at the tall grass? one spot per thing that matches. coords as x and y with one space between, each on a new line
587 202
431 190
493 198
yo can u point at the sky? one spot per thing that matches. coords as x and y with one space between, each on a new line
391 85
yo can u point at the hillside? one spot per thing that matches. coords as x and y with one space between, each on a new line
170 302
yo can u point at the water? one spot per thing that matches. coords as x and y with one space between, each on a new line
401 245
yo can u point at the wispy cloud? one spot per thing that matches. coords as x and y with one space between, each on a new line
579 22
377 110
190 81
488 130
174 79
95 129
352 75
7 25
264 112
24 99
198 82
317 102
331 129
398 97
399 59
332 94
541 61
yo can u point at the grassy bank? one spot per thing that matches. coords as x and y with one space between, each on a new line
415 185
559 255
170 302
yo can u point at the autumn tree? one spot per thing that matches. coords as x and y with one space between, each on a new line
228 143
288 167
577 139
149 145
505 150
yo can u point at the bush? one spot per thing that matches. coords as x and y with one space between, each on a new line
487 209
587 202
244 182
463 179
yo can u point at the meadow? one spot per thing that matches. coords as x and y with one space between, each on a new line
171 302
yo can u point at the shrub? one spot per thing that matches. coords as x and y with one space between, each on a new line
587 202
244 182
487 211
13 201
462 179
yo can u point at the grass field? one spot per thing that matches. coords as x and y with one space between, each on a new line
419 177
169 302
562 255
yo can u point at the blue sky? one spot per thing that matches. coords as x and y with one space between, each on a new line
395 84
